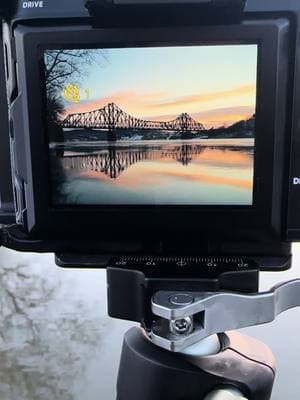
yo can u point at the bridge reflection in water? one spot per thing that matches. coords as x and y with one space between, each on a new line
153 172
115 160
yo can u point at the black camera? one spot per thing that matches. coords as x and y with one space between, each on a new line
160 139
151 128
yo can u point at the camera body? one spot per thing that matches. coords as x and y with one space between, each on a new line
260 228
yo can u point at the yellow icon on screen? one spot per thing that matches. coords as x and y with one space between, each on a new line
72 93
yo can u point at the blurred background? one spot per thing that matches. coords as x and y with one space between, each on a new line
57 342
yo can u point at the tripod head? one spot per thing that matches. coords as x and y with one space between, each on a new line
181 308
190 318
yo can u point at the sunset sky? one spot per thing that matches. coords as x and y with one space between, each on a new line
216 85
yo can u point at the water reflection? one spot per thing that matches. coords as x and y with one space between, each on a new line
113 161
153 172
44 342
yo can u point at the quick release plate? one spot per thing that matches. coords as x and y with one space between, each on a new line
133 280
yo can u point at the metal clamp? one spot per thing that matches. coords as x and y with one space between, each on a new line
188 317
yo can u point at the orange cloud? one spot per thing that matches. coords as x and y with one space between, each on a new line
206 97
224 116
129 101
215 117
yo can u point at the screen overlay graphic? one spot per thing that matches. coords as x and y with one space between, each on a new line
152 126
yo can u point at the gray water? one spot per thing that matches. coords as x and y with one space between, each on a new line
57 343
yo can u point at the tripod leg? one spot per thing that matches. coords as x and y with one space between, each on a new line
150 373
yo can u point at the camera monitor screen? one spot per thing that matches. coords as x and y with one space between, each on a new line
152 125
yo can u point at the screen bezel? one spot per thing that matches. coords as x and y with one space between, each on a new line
139 221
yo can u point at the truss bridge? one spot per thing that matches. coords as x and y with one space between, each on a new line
112 118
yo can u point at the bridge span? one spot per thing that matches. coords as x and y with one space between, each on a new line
112 118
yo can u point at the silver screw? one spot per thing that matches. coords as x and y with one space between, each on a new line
182 326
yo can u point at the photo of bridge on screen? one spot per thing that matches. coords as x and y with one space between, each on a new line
152 126
114 120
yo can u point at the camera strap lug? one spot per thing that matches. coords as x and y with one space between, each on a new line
188 317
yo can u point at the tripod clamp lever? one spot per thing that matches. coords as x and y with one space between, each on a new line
186 318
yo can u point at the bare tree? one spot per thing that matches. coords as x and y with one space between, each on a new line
55 109
61 65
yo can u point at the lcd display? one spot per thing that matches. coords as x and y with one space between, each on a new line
152 126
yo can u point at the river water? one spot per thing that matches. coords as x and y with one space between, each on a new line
153 172
57 342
